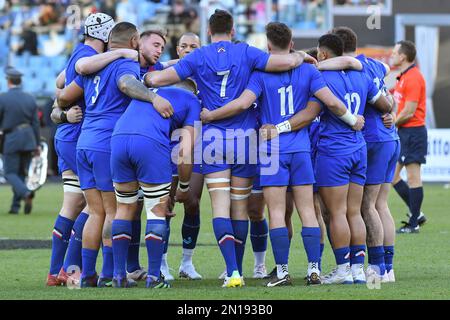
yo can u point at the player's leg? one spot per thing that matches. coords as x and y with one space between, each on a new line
92 231
134 270
289 212
191 226
302 179
165 269
388 229
275 197
121 229
92 237
320 212
258 231
240 192
73 204
335 200
156 204
218 184
374 230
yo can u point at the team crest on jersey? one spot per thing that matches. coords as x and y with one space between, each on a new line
221 49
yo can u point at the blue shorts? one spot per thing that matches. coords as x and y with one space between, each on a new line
67 155
294 169
334 171
94 170
132 161
414 144
382 158
235 154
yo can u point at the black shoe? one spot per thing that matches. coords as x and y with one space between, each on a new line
272 274
13 211
407 228
420 220
313 279
277 282
28 202
123 282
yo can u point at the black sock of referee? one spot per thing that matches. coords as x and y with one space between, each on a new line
403 191
416 198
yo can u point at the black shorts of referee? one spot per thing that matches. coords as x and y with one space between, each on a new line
414 145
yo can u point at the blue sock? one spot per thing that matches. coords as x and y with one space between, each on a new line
311 242
280 244
389 257
89 259
73 255
121 237
155 233
259 231
403 191
342 255
60 241
190 230
376 257
108 262
133 248
357 254
167 236
322 247
223 230
415 202
240 229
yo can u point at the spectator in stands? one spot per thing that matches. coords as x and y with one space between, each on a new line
28 40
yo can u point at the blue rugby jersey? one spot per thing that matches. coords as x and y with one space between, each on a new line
71 131
105 103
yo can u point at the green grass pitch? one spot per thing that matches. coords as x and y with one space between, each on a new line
421 261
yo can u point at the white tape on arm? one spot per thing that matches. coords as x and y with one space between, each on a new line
348 118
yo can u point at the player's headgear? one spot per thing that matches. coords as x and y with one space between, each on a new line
98 26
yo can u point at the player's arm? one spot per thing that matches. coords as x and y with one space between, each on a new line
338 108
382 103
69 95
407 113
232 108
167 64
162 78
390 118
298 121
185 158
95 63
61 79
285 62
133 88
340 63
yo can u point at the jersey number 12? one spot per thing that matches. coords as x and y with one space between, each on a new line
351 99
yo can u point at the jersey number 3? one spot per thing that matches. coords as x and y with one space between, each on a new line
97 83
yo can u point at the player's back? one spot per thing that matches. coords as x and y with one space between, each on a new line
374 129
105 103
353 88
222 71
141 118
283 95
71 131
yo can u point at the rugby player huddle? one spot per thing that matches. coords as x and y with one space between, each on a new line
280 129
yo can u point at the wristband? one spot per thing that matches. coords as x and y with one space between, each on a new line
348 118
284 126
63 117
183 186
